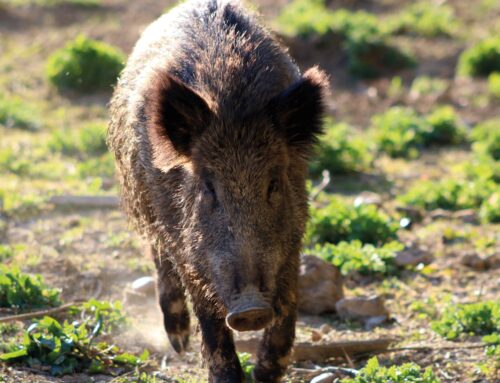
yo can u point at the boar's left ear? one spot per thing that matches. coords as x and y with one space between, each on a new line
298 111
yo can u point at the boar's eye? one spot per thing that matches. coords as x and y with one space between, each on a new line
208 189
273 187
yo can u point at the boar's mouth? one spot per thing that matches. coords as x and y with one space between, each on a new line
249 311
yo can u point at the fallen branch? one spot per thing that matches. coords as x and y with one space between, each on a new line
429 348
319 352
110 202
40 313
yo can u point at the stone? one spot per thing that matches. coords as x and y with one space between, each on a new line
493 261
414 214
368 198
362 308
320 285
144 285
325 328
412 256
326 377
316 336
474 261
466 216
439 214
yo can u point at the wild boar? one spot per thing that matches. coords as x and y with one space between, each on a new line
212 125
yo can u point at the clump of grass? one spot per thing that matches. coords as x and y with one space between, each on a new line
373 372
450 194
480 60
6 252
363 259
12 162
23 291
85 65
102 166
66 348
425 85
445 127
87 141
366 43
304 18
401 132
482 318
15 113
486 138
364 38
425 19
494 84
339 152
339 221
246 365
490 209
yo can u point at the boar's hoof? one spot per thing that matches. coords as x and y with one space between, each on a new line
252 318
179 342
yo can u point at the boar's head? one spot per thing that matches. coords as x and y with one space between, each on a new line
241 192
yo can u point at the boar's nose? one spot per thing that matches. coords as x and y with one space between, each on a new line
250 318
248 311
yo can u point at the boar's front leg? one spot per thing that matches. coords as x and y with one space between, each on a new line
173 304
218 347
275 348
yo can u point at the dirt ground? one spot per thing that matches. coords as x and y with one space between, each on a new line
92 253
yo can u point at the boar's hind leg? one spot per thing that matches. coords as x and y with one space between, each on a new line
173 305
218 348
275 349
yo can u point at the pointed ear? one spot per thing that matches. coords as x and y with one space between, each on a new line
298 111
175 114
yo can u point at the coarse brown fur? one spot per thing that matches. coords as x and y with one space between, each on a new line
211 127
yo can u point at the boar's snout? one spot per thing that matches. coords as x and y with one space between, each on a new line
249 311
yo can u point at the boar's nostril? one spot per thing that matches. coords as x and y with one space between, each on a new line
250 319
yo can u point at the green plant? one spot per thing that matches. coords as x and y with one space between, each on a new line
246 365
494 84
15 113
482 318
399 132
425 19
339 221
103 166
480 60
85 65
482 168
406 373
425 85
364 259
486 138
6 252
368 50
305 18
490 208
448 194
67 348
339 152
12 162
19 290
110 313
445 127
89 140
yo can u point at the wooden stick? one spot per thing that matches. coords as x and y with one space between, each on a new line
318 352
77 201
36 314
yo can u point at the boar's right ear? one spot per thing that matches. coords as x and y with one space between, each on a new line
298 111
175 114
